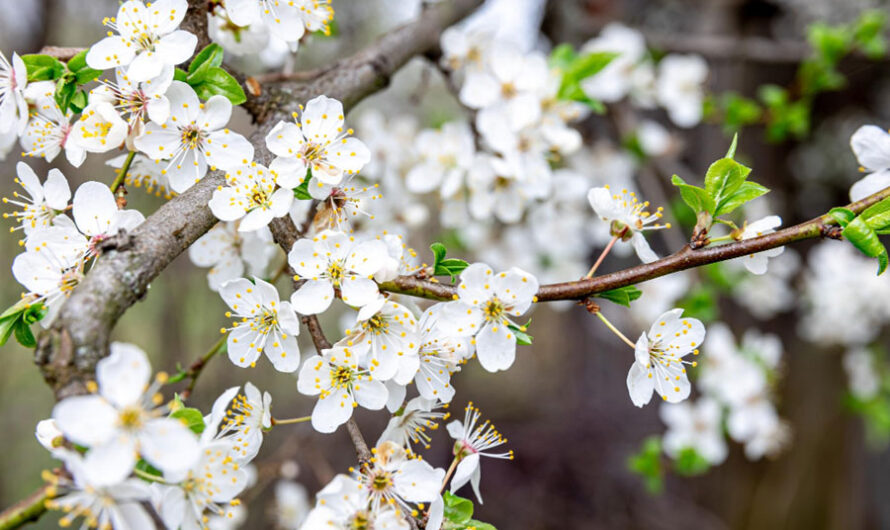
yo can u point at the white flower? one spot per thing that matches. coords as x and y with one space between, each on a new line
471 441
148 39
757 263
50 437
343 505
42 203
495 188
654 139
250 196
264 324
341 385
241 420
144 173
411 423
445 156
13 107
210 484
97 216
440 354
385 339
659 363
317 142
232 518
871 144
694 426
286 20
465 47
137 101
7 140
50 271
101 505
291 504
246 39
230 253
194 137
396 479
99 129
485 301
862 375
122 422
511 81
48 133
617 79
680 88
333 260
342 203
627 218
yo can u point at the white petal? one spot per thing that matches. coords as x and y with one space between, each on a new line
639 385
496 347
94 208
86 420
313 297
123 375
169 445
110 52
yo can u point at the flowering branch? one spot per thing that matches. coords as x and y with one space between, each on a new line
685 258
67 354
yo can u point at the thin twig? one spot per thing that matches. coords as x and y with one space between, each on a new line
28 509
122 175
194 371
686 258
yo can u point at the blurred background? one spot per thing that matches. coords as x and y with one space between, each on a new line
563 405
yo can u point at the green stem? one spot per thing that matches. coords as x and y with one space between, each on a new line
290 420
26 510
122 175
149 477
195 370
615 330
448 474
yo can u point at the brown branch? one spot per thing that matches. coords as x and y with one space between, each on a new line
67 353
686 258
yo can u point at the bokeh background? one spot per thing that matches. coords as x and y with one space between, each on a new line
563 406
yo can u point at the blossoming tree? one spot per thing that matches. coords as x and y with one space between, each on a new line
336 208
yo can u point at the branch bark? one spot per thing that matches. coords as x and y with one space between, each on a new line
67 353
686 258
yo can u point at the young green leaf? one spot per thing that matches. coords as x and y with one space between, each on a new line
696 198
458 510
647 464
725 177
864 238
877 216
522 338
690 463
24 335
730 153
191 418
622 296
43 67
210 57
439 252
747 192
218 82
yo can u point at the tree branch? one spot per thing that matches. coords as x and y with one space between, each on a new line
686 258
28 509
67 353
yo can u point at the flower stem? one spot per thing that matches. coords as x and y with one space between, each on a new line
288 421
148 476
448 474
615 330
122 175
197 367
600 259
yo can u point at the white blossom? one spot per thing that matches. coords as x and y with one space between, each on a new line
230 253
42 204
250 195
48 132
263 324
871 145
471 442
484 303
757 263
13 106
148 39
694 426
291 504
445 156
343 505
659 364
122 421
680 88
627 218
193 138
410 424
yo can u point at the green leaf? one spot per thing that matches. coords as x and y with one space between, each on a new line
562 56
7 326
458 510
868 33
65 91
588 65
622 296
701 304
647 464
522 338
208 58
439 252
866 241
689 463
877 216
191 418
86 75
78 62
79 102
730 153
23 334
43 67
830 42
696 198
302 191
725 177
843 216
145 467
180 75
218 82
747 192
